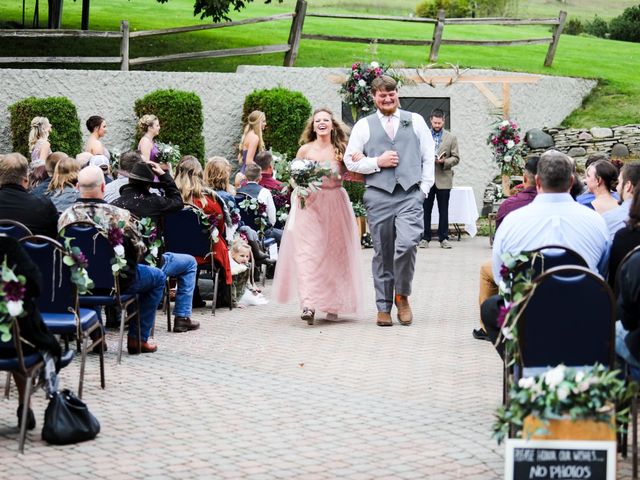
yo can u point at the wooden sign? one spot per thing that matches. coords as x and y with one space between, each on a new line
560 460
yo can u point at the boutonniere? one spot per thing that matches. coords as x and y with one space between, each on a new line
405 123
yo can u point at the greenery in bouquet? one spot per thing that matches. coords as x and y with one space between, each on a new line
12 292
281 202
207 222
506 142
168 153
562 392
280 166
356 90
305 176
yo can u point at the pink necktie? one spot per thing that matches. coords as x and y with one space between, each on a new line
388 127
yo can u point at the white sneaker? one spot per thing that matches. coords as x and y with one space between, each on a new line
445 243
423 244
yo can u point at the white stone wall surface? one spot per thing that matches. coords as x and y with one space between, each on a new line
112 94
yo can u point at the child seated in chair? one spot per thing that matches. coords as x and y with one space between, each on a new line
243 290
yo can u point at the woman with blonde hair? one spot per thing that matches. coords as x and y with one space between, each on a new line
40 149
149 128
190 181
319 255
62 188
251 141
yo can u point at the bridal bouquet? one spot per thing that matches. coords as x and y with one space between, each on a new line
168 153
305 176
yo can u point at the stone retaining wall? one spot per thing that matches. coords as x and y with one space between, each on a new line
546 101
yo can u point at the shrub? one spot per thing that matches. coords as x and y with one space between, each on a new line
626 26
287 113
180 116
452 8
488 8
355 190
598 27
573 27
61 112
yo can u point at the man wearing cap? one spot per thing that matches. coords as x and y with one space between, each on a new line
136 197
488 286
102 162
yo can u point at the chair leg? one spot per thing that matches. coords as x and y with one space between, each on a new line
168 304
634 440
83 361
7 386
216 277
25 408
123 312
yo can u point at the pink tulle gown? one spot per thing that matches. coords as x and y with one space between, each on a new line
319 258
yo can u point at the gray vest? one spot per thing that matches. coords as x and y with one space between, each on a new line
252 189
409 170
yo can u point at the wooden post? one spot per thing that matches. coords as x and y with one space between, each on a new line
294 34
555 38
124 45
506 99
437 37
84 24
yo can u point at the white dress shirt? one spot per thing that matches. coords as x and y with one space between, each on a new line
553 219
265 197
360 136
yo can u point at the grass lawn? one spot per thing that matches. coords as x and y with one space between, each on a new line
616 101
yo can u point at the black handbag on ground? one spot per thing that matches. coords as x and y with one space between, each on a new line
68 420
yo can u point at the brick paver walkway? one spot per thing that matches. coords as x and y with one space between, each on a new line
258 394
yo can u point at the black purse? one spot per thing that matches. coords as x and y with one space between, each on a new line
68 420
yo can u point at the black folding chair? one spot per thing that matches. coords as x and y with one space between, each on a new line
14 229
99 253
184 233
58 301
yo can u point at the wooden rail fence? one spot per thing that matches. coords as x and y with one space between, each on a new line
290 49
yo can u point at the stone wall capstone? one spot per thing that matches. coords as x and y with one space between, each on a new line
112 94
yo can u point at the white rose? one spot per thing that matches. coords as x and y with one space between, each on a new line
375 64
362 83
14 307
510 144
563 392
579 376
503 289
297 165
526 382
154 251
507 158
554 377
506 333
504 123
283 217
119 250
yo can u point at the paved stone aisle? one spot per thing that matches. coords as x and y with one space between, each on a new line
258 394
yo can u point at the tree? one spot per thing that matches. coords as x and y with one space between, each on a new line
218 10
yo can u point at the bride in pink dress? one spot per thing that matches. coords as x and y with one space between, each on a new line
319 257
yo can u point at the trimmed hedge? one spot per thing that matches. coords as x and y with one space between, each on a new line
287 113
180 116
61 112
626 27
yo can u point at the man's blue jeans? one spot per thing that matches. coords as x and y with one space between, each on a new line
149 285
184 268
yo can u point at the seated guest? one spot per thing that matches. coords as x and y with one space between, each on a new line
601 178
217 172
263 195
33 332
190 182
49 166
62 188
488 287
628 237
148 282
264 159
136 197
628 327
102 162
552 218
127 160
586 197
83 159
38 214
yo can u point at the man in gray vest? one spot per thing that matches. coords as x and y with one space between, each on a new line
394 150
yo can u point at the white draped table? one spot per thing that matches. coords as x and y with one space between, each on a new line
462 210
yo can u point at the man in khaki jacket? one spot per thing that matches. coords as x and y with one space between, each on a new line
447 157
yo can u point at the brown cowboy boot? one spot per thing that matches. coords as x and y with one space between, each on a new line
384 319
405 315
